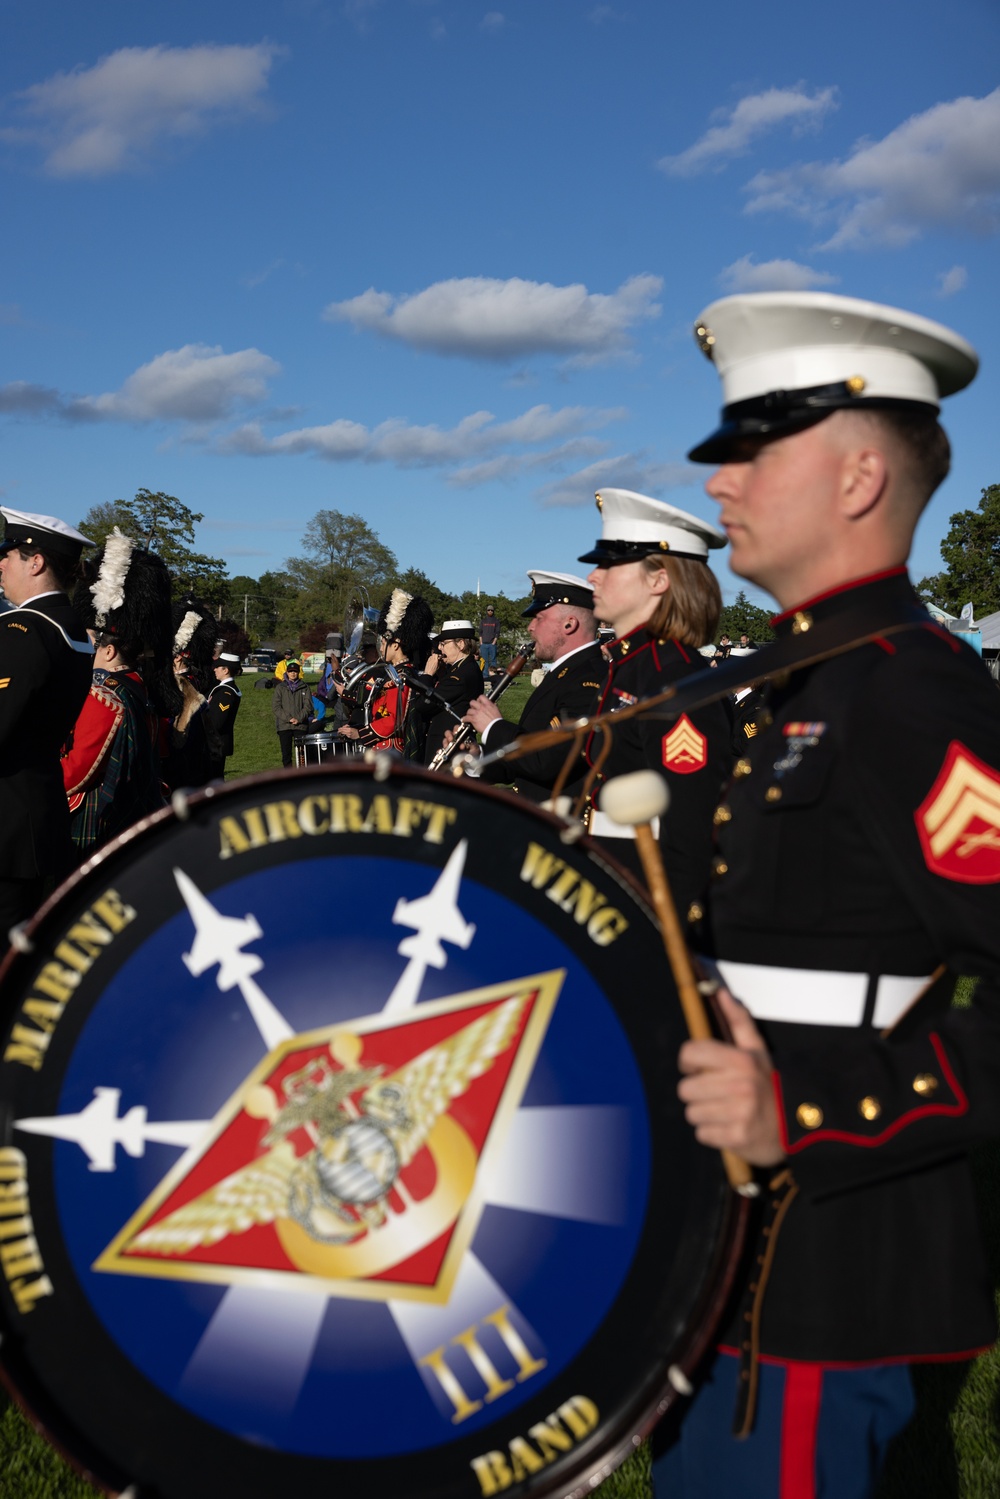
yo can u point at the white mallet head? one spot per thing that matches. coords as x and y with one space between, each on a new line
636 798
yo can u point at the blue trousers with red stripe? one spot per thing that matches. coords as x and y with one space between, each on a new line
820 1432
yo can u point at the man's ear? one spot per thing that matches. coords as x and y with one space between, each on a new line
866 475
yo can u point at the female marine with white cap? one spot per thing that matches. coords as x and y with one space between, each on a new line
653 585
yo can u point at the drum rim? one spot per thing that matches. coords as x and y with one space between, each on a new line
626 1430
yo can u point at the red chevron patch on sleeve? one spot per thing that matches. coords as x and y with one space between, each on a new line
959 820
685 750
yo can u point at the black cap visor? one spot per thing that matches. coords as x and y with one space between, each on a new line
606 552
579 598
782 412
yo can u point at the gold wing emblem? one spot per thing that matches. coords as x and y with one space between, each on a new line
257 1193
416 1096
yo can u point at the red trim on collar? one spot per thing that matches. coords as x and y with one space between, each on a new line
890 572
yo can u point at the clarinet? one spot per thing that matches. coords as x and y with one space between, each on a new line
445 753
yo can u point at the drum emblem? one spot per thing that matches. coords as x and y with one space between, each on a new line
350 1154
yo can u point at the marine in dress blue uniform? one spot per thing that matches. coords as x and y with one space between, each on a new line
562 625
659 634
851 885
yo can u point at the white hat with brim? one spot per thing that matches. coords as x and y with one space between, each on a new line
47 532
787 359
637 526
557 588
457 629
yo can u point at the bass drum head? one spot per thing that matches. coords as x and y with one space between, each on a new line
341 1152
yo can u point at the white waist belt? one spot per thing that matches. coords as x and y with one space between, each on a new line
816 996
601 826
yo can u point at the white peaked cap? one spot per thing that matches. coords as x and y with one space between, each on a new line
557 588
635 525
24 528
786 359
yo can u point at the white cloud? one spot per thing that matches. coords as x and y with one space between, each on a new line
197 383
109 118
494 20
478 437
949 282
625 471
746 274
750 118
483 318
938 169
193 384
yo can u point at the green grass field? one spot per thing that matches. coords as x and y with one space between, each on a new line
950 1451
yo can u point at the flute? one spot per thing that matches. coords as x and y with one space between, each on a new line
445 753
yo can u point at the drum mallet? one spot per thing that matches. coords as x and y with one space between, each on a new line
636 799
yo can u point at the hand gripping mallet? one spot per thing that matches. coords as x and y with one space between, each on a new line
635 800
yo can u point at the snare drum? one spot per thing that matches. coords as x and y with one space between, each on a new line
314 749
431 1229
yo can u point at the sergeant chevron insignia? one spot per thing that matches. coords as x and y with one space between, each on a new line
685 750
959 821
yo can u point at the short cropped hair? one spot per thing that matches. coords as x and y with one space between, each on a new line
922 439
689 610
65 572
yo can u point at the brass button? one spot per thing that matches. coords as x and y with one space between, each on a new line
869 1108
801 622
741 769
719 867
765 718
722 814
695 912
924 1083
856 384
809 1115
772 794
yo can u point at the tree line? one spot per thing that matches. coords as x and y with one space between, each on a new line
343 567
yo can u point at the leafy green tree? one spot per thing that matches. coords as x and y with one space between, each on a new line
256 603
420 585
743 618
165 525
344 561
971 553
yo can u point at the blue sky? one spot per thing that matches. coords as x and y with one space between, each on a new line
438 263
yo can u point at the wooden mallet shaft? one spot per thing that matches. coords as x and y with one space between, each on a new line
637 800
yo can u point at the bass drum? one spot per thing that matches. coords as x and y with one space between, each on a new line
340 1131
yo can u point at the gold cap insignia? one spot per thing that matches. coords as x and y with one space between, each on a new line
600 502
706 339
856 384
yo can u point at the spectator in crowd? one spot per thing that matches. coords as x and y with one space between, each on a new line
46 660
293 707
111 763
489 635
723 648
221 708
